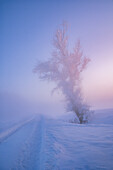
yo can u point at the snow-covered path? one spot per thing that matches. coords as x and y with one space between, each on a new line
31 152
47 144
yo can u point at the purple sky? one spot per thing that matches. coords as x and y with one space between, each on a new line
27 30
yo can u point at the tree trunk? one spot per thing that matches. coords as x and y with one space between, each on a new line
79 116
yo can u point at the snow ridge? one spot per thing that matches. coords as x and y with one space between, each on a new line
12 130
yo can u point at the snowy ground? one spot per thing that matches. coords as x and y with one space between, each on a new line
41 143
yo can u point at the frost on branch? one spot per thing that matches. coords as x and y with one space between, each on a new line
65 68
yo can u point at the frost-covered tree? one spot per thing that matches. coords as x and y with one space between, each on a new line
65 68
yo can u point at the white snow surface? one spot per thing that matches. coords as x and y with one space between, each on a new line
42 143
5 134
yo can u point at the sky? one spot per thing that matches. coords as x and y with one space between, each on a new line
27 29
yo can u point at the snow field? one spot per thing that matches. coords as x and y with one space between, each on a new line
49 144
79 146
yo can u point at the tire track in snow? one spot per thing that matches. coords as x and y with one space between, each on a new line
41 153
31 156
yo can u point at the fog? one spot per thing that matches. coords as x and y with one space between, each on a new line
14 108
26 36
